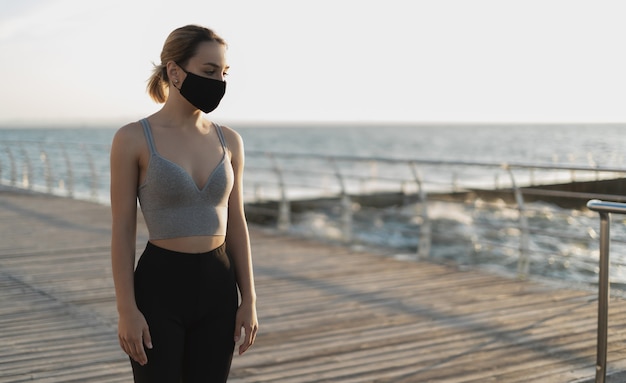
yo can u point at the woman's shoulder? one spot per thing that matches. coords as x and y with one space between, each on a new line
230 135
132 128
129 135
234 142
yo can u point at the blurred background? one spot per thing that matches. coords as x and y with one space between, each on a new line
81 63
470 132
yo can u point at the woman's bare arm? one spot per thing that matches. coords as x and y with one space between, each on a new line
238 246
132 327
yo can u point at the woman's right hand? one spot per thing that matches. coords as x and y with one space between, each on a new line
133 334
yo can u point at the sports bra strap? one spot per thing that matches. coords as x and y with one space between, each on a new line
148 133
220 135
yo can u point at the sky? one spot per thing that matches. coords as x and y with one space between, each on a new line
87 62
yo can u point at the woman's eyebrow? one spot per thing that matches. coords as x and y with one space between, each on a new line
216 65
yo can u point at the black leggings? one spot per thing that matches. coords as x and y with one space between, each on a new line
190 302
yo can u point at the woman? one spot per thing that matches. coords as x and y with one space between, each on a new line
179 311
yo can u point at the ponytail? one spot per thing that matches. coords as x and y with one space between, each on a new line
157 84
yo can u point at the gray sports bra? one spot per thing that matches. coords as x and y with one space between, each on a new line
171 202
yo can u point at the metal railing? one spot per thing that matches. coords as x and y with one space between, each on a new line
422 182
76 170
277 185
605 209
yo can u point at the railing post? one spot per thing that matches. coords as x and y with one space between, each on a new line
604 209
284 209
13 166
27 170
70 173
345 204
346 217
94 173
603 297
523 262
47 169
424 241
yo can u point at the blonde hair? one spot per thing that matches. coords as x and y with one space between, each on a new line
180 46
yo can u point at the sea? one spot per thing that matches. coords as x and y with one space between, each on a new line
579 144
476 234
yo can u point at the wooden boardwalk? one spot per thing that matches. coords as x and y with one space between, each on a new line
327 314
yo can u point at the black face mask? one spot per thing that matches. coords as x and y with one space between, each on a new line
202 92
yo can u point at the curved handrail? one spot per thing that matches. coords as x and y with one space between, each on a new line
605 208
80 170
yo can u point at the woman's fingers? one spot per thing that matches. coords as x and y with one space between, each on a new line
139 354
246 318
134 348
250 330
147 339
133 333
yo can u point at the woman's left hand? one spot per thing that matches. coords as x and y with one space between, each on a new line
246 318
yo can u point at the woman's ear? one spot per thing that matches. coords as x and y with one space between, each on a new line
174 73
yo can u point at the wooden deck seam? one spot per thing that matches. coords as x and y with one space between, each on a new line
329 313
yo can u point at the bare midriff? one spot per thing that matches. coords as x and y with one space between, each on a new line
191 245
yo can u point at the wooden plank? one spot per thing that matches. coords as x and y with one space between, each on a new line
328 313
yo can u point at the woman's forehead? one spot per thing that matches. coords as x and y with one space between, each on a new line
210 50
